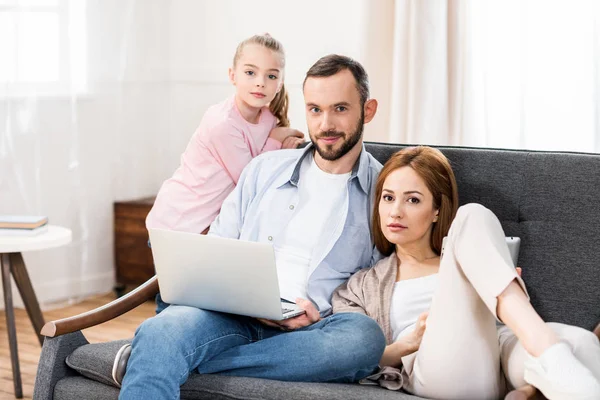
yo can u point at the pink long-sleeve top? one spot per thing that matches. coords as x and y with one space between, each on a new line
211 165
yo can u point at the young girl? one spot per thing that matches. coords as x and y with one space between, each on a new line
230 134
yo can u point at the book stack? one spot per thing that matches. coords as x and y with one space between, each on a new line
20 225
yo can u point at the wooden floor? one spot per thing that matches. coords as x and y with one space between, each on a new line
29 348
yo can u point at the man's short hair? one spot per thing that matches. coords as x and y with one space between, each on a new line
334 63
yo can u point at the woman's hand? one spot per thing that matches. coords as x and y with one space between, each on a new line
413 339
406 345
281 133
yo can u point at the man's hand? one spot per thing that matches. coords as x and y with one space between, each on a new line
520 272
281 133
310 316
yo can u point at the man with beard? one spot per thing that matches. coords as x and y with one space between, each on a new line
314 206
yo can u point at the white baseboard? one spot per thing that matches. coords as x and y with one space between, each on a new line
66 291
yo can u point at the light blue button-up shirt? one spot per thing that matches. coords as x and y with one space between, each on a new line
264 200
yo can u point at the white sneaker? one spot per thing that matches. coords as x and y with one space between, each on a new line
559 375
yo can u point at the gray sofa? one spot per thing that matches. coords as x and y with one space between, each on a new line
549 199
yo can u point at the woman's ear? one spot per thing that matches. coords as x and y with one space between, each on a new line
436 216
231 76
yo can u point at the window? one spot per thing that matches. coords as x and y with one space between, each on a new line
537 69
42 47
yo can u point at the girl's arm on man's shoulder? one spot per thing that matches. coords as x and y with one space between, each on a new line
270 145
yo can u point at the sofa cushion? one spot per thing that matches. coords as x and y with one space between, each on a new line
559 219
78 387
216 387
95 361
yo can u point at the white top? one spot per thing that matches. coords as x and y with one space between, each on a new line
318 193
410 298
55 236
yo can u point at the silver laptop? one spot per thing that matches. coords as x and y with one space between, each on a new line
213 273
513 243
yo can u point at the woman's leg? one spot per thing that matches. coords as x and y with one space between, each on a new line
585 345
515 310
459 357
481 263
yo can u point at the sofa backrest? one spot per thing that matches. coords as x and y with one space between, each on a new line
550 200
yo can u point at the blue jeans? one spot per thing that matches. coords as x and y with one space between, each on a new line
160 304
180 340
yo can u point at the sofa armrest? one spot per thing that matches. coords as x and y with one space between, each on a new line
102 314
52 366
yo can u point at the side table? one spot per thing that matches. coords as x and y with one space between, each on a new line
12 262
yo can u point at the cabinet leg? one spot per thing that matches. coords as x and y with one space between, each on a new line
119 289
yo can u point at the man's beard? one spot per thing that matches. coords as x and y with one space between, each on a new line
328 153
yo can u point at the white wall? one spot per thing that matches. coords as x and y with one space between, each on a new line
153 69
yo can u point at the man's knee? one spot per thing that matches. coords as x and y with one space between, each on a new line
362 337
169 327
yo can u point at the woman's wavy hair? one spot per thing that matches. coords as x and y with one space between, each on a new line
434 168
279 105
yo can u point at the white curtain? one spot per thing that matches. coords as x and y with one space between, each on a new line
84 107
510 74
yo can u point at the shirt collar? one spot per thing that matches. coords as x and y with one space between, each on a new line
360 170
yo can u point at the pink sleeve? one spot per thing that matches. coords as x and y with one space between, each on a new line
271 144
232 150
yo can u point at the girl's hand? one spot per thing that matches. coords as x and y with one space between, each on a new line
291 142
281 133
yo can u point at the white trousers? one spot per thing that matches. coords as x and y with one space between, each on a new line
464 354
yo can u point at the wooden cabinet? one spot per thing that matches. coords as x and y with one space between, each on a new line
133 257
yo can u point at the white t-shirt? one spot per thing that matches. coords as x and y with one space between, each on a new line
318 193
410 298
